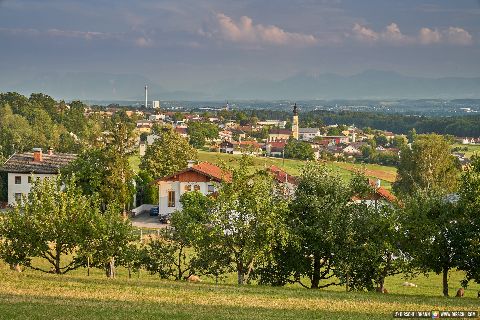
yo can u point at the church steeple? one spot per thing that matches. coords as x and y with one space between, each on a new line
295 122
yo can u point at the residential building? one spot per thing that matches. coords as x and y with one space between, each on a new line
308 134
279 134
22 168
203 177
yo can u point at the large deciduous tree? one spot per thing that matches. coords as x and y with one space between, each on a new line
320 199
470 221
168 154
428 165
430 223
51 223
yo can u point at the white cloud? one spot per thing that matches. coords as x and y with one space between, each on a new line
429 36
144 42
455 35
245 31
426 36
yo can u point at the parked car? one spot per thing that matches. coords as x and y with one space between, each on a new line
164 218
154 211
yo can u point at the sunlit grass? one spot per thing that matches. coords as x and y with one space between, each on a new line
34 295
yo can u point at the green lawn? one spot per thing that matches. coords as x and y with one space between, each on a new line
294 167
470 149
35 295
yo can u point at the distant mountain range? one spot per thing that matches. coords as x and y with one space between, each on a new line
371 84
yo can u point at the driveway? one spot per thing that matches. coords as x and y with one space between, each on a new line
144 220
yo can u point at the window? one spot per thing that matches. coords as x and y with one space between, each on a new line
18 197
29 179
196 187
18 180
171 199
211 188
188 188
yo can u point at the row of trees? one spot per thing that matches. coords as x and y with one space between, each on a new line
316 238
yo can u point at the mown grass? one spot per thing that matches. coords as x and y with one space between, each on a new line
34 295
470 149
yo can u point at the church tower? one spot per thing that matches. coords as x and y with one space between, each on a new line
295 123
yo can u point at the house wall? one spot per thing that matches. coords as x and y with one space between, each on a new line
179 188
24 187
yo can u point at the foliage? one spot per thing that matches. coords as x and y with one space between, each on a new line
51 223
109 237
320 199
168 154
470 221
302 150
427 165
433 234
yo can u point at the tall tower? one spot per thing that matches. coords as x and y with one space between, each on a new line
146 96
295 122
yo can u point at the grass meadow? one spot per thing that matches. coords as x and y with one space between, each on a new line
36 295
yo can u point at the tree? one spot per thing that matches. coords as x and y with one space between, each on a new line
241 221
168 154
302 150
470 221
50 224
108 241
368 241
433 234
320 199
412 135
381 140
427 165
106 171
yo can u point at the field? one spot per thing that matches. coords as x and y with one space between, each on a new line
384 173
35 295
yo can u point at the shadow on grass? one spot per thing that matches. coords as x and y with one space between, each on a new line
246 291
40 307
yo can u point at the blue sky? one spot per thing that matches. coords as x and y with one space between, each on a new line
186 44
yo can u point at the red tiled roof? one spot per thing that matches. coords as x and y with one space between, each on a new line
205 168
281 176
181 130
213 171
280 131
277 144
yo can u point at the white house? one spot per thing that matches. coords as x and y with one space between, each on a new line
203 177
307 134
22 168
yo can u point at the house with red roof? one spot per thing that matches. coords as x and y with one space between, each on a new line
378 197
203 177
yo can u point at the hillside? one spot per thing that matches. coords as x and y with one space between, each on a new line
34 295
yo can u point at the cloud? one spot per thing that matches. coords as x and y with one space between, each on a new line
429 36
144 42
245 31
458 36
426 36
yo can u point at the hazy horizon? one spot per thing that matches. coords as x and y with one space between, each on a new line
205 46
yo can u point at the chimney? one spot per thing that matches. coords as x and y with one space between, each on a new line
37 154
50 151
190 163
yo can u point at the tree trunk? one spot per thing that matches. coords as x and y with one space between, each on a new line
240 272
316 272
110 268
57 260
445 281
347 282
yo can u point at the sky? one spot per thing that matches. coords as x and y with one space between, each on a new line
187 44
